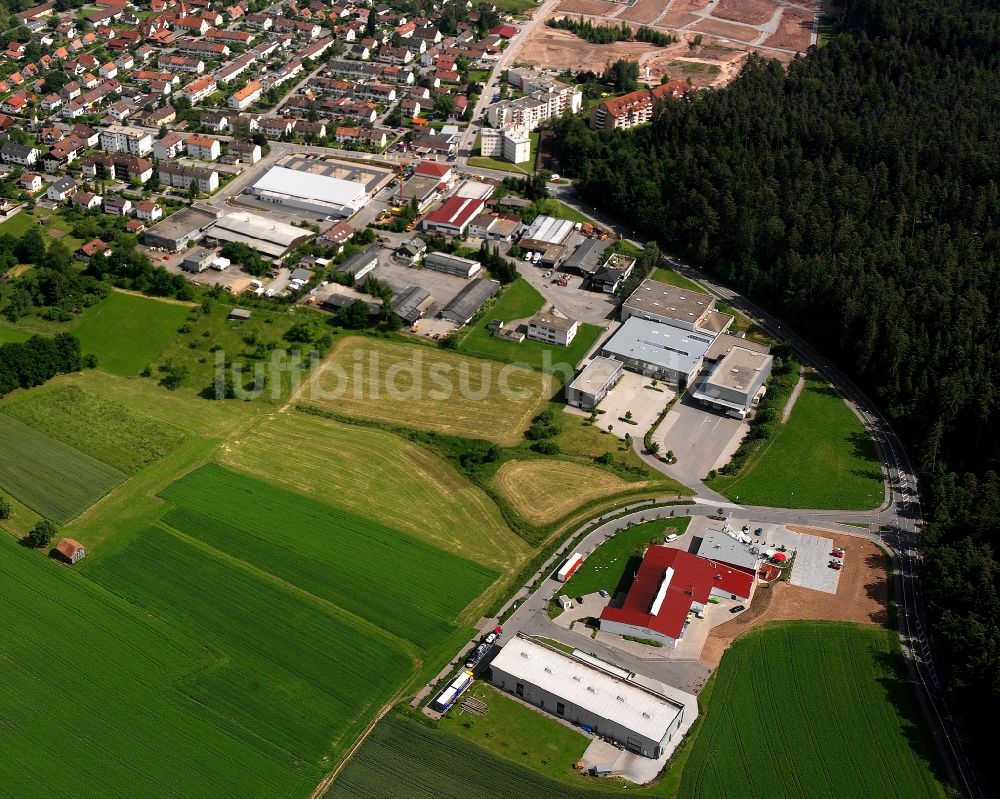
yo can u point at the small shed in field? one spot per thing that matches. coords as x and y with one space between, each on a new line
239 313
71 549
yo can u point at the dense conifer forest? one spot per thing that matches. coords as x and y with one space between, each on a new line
857 196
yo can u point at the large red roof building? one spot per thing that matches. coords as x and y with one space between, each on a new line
669 585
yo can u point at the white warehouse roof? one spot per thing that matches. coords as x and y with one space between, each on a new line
266 235
549 229
589 688
309 186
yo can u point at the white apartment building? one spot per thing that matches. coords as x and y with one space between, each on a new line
120 139
512 145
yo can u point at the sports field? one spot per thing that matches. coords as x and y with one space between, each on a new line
521 300
127 332
820 458
262 682
403 759
820 709
429 389
347 465
613 564
544 490
99 427
53 479
401 584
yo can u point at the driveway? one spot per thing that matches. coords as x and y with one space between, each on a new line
700 439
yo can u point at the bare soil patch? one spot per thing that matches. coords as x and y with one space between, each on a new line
549 48
689 5
702 71
794 31
750 12
861 597
727 30
644 11
598 8
676 19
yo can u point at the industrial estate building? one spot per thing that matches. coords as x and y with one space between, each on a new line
464 305
670 585
590 693
593 383
665 352
452 264
174 232
307 191
552 329
680 307
271 239
736 382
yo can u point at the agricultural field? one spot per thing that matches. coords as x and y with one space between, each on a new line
126 332
403 759
519 301
346 465
428 389
543 490
839 713
263 684
53 479
394 581
820 458
102 428
612 565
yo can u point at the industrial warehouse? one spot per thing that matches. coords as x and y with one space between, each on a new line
599 697
305 191
271 239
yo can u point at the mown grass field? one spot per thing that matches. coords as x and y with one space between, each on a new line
127 332
53 479
673 278
12 335
820 458
102 428
543 490
403 759
831 705
281 674
522 300
401 584
612 565
380 476
428 389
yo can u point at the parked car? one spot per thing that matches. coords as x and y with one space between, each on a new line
604 593
527 256
738 609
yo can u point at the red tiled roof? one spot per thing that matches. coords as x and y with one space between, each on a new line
457 211
67 547
432 169
693 580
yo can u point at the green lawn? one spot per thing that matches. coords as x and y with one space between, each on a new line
831 706
672 278
559 209
126 332
19 223
102 428
820 458
482 162
613 564
9 335
53 479
514 7
401 584
522 300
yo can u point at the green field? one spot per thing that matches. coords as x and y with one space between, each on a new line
832 707
101 428
612 564
820 458
9 335
346 465
519 301
283 674
127 332
672 278
403 759
53 479
394 581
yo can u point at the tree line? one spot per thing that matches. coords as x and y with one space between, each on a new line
857 194
40 358
607 34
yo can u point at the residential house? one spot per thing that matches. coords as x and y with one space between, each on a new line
148 211
117 206
170 146
20 154
204 148
61 190
86 200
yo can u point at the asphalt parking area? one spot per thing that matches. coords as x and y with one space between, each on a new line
702 440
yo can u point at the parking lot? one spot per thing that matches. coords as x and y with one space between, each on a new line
812 554
702 440
634 393
572 299
400 276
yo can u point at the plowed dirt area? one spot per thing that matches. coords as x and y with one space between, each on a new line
727 30
557 49
794 31
644 11
861 597
599 8
751 12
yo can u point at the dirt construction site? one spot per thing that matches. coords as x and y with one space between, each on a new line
714 37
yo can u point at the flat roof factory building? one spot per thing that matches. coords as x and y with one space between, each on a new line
736 382
307 191
604 700
672 354
670 584
593 383
174 232
271 239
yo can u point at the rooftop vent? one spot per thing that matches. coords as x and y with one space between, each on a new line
548 669
592 689
524 654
